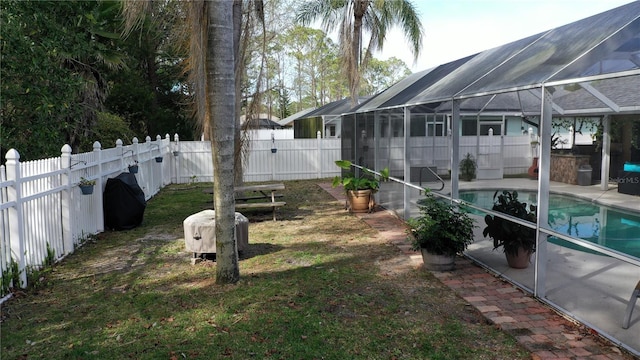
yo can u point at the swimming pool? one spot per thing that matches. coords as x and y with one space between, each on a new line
599 224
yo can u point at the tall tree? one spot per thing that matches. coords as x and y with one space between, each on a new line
352 17
149 91
54 59
221 92
380 74
211 67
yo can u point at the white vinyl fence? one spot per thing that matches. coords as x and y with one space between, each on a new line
44 216
507 155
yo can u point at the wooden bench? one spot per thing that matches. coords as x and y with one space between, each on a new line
263 195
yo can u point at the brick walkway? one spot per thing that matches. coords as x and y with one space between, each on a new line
542 331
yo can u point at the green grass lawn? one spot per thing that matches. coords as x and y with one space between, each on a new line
316 284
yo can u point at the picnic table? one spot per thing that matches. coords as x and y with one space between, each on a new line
258 196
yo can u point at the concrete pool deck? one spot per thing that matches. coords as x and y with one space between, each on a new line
591 289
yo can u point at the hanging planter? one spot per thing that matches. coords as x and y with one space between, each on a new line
86 189
159 159
86 186
133 169
176 153
274 150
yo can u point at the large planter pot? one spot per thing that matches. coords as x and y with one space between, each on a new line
360 201
519 261
437 262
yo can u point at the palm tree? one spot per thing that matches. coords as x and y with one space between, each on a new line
212 73
220 69
352 17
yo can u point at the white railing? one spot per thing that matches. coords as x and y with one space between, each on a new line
44 216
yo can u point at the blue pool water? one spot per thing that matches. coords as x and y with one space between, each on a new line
599 224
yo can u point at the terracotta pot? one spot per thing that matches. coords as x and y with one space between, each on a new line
437 262
533 169
360 201
519 261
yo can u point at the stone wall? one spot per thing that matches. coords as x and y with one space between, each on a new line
564 168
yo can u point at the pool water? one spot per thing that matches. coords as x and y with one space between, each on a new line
599 224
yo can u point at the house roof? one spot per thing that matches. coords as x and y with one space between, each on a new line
406 89
289 119
591 65
336 108
260 116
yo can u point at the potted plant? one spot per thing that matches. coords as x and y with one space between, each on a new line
133 168
442 231
359 189
86 186
468 168
159 159
518 241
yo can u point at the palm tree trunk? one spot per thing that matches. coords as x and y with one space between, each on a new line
359 9
220 68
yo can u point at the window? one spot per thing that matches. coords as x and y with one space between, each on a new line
397 127
484 129
436 125
384 127
417 125
439 129
468 127
332 130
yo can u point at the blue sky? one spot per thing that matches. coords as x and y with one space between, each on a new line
456 28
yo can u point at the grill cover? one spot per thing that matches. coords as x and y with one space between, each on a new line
123 202
200 232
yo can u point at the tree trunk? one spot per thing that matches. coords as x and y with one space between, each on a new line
359 9
221 101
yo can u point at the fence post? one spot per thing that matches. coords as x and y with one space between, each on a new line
273 158
135 151
158 181
119 146
66 200
319 157
148 180
16 222
97 149
176 157
166 180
